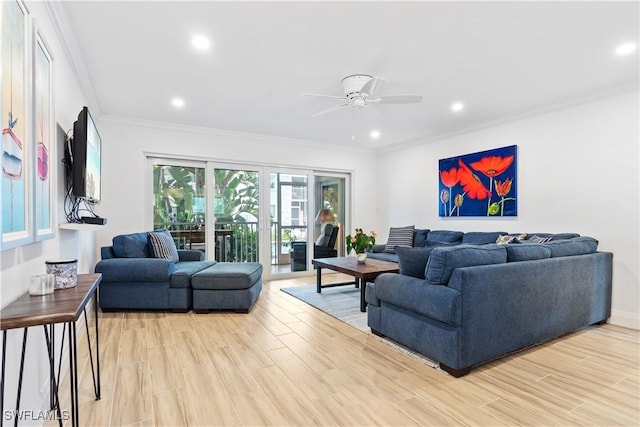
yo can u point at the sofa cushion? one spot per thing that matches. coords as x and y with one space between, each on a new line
527 252
445 236
399 236
576 246
227 276
163 245
135 245
481 237
443 260
413 261
384 256
181 277
420 237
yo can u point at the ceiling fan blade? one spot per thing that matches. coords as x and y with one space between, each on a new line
396 99
324 96
373 85
328 110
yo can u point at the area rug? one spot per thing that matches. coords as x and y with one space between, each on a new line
343 303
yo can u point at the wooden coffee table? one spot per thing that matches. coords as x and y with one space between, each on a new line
362 273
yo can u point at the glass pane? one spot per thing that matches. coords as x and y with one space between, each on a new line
289 221
178 204
235 206
330 202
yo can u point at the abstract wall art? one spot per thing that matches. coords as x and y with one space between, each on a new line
14 115
44 135
479 184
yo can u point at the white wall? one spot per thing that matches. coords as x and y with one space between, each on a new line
125 145
578 171
17 264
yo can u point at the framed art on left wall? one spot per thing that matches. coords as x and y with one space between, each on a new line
15 113
44 153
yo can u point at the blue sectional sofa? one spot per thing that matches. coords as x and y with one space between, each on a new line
465 304
133 277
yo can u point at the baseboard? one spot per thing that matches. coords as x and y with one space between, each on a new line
625 319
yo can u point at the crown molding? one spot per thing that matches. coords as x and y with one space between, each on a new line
68 40
497 121
223 133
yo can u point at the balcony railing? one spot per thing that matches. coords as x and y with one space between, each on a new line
235 241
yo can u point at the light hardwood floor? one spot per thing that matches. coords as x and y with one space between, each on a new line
286 363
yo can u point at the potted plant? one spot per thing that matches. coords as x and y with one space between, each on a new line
359 244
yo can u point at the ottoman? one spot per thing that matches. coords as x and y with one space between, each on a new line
227 286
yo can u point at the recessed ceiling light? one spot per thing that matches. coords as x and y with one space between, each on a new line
353 137
626 49
375 134
177 102
200 42
457 106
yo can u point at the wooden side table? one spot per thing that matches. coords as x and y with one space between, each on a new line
62 306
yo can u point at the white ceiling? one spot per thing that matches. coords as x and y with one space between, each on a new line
501 59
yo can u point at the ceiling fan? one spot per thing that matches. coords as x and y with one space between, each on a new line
360 91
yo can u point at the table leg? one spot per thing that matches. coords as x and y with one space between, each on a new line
96 380
318 280
363 288
95 309
24 347
73 373
53 383
4 359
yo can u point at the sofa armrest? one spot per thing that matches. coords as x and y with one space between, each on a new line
410 293
190 255
106 252
135 269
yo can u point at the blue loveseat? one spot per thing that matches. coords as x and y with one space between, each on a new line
134 278
465 304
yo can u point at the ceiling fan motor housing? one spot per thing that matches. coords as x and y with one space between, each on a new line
353 84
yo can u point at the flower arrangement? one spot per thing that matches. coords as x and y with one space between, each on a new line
360 242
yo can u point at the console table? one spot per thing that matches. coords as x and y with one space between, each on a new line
62 306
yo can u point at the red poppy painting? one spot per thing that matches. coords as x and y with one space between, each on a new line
479 184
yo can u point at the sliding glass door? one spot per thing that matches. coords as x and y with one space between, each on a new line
289 214
179 190
236 209
248 213
331 206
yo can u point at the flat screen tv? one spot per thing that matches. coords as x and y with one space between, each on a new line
86 152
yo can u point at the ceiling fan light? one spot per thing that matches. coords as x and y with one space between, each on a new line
375 134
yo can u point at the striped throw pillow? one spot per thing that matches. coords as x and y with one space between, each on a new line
163 245
399 236
540 239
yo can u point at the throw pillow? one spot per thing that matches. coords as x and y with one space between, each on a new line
445 236
540 239
399 236
503 240
413 261
163 245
